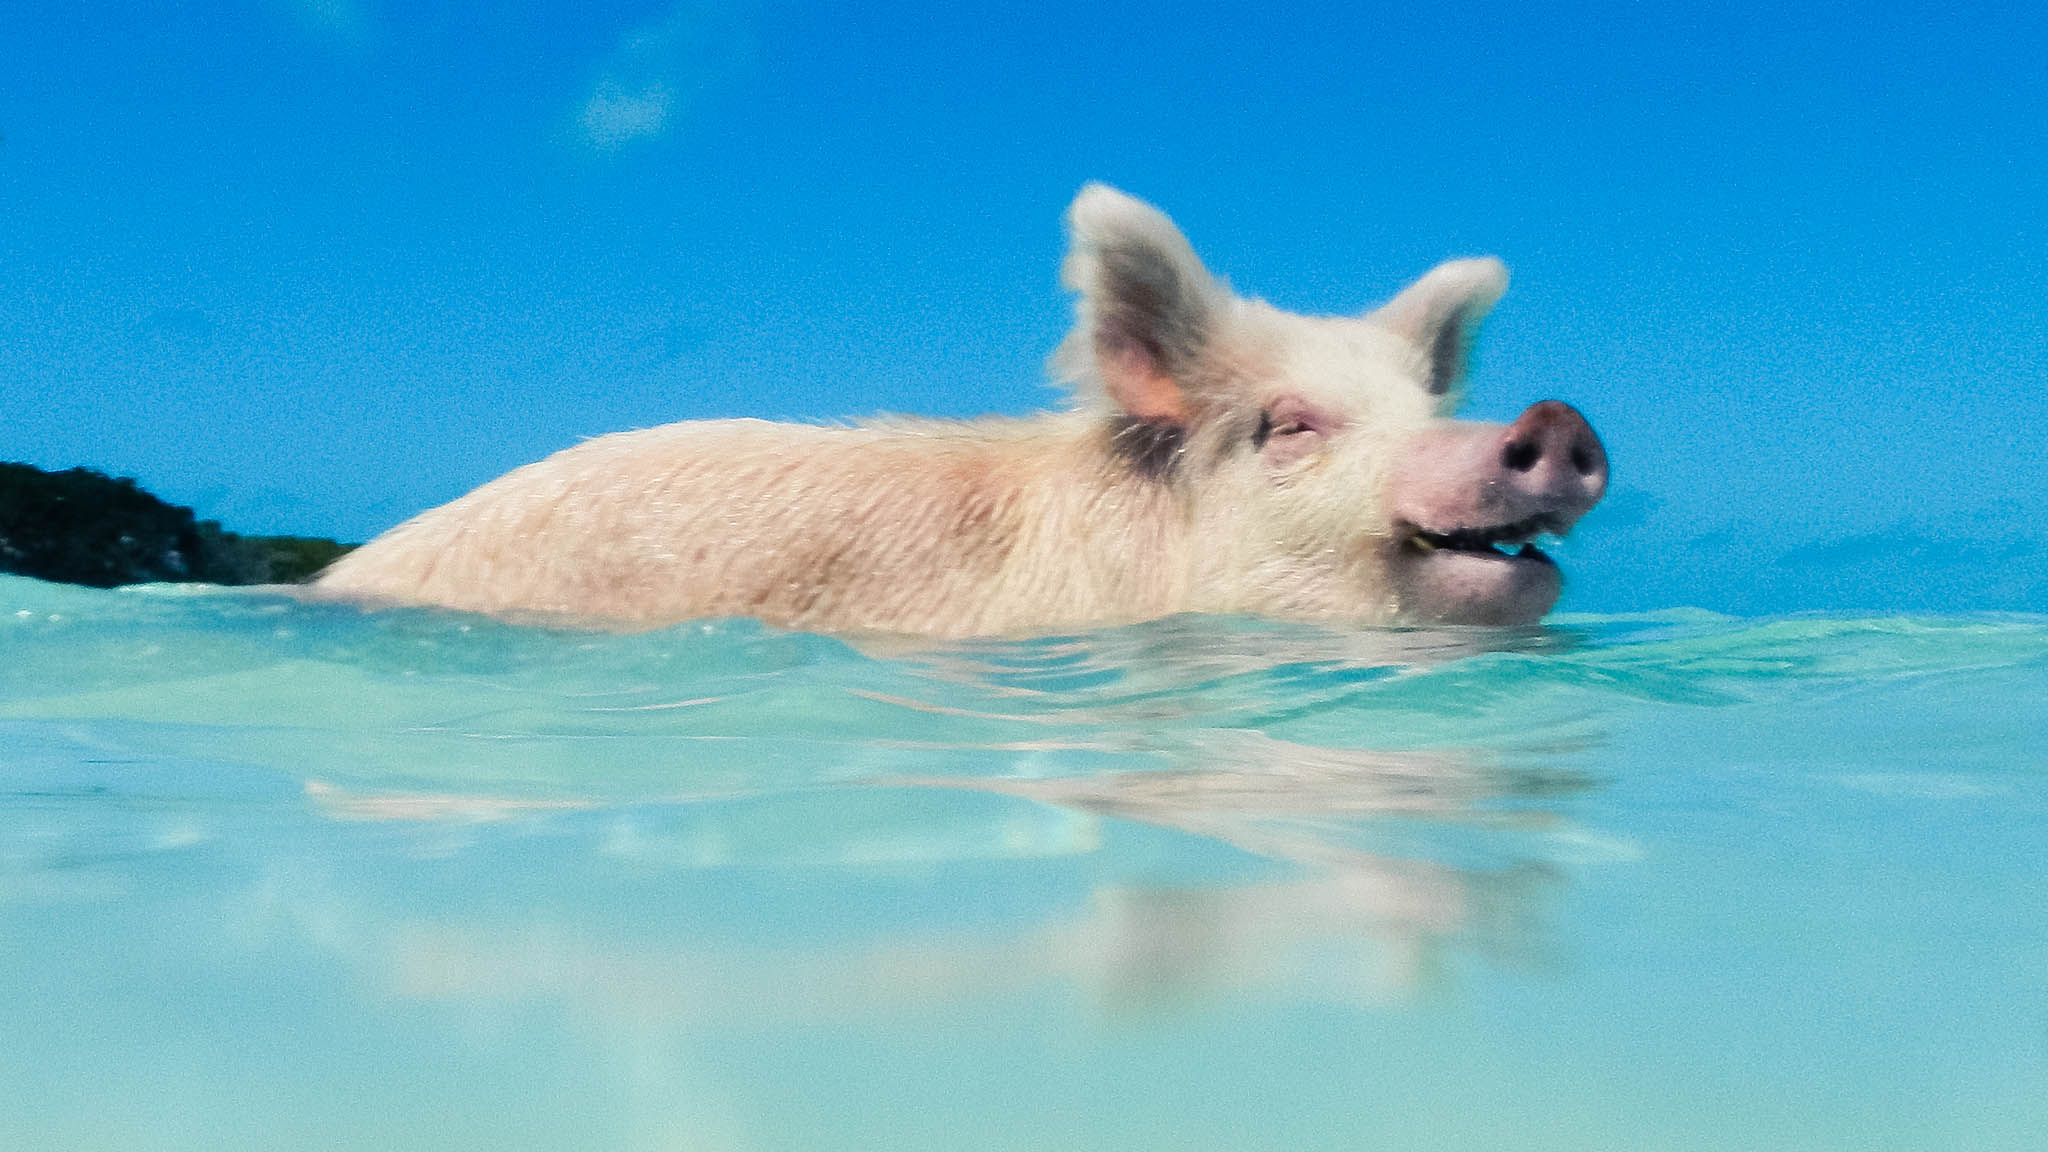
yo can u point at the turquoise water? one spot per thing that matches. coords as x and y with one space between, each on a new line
282 875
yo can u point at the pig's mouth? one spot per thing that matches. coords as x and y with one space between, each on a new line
1512 543
1490 576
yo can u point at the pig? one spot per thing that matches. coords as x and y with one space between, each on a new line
1219 455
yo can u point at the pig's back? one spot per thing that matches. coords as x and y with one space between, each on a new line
922 528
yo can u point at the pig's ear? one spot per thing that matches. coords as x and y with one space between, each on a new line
1440 314
1146 305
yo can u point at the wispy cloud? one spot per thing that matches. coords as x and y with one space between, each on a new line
615 115
658 71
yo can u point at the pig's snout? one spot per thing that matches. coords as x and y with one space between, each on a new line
1551 458
1538 474
1469 499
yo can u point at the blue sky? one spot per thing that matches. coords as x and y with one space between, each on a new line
314 265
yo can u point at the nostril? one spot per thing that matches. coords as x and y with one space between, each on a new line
1582 459
1520 455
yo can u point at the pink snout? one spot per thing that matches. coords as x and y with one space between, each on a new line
1469 498
1547 467
1549 456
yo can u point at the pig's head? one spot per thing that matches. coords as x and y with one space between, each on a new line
1318 464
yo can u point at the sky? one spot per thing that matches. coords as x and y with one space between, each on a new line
313 266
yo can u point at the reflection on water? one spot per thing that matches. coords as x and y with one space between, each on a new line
284 876
1346 923
1341 924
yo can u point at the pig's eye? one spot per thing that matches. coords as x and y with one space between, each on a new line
1286 426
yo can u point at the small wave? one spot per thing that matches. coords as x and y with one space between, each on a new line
439 699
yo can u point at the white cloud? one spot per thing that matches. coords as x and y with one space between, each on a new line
614 116
657 71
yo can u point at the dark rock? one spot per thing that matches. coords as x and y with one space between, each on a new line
84 527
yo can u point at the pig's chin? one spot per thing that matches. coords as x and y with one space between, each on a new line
1486 578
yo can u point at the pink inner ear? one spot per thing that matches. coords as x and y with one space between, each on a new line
1141 387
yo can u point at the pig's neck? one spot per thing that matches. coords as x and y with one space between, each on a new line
1104 532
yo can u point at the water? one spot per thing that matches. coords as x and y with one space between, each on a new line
281 875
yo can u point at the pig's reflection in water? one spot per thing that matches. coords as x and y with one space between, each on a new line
1353 926
1385 867
1338 924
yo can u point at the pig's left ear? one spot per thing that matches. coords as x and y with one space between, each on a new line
1146 305
1440 314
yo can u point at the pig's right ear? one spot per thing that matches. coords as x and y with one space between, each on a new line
1146 305
1440 314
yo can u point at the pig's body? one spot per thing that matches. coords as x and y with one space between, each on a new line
1223 457
937 528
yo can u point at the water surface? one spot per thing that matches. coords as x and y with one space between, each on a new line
286 875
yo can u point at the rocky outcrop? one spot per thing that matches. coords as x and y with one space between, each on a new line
84 527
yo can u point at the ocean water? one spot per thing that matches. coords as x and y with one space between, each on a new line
287 875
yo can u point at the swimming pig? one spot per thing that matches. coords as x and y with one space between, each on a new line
1221 456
